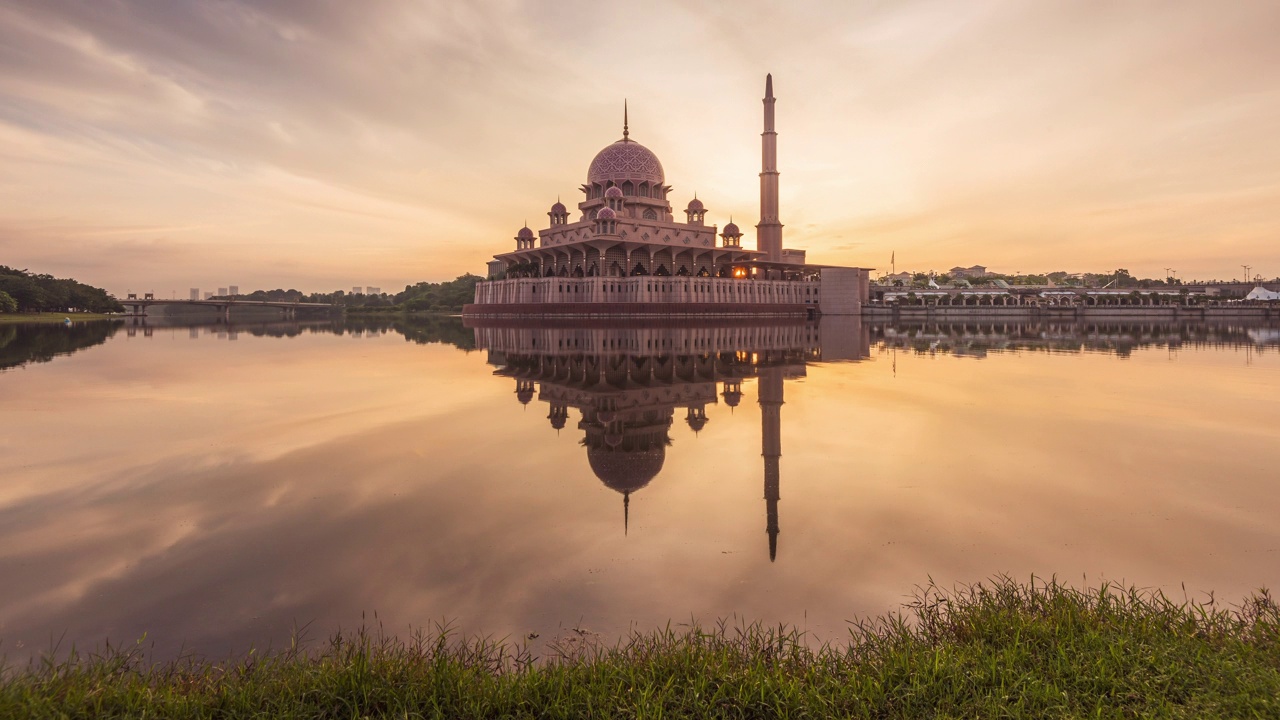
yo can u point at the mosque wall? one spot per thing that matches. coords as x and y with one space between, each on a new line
845 290
646 289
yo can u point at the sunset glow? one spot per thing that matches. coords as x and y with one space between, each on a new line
158 146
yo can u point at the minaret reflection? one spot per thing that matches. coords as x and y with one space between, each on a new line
628 383
771 448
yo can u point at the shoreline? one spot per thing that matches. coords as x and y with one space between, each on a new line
1003 648
50 318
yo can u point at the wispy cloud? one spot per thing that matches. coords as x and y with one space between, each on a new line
402 140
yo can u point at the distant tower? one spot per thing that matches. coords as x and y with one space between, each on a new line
770 388
769 231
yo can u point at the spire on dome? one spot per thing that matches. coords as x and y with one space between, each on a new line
626 513
625 131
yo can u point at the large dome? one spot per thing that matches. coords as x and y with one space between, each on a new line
626 471
625 160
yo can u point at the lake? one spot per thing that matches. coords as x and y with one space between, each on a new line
219 488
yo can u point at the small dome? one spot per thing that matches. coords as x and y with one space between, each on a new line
613 192
732 395
525 233
730 230
559 208
606 213
696 205
696 423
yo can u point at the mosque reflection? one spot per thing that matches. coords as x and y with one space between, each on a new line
629 384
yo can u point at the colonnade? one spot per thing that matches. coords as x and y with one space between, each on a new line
648 289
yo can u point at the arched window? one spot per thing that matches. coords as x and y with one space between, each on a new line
650 214
628 189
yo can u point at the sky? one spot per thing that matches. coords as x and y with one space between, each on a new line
160 145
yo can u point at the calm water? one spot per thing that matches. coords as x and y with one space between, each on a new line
214 489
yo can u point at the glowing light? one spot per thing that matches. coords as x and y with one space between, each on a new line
739 272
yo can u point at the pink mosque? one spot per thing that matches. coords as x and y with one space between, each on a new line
626 255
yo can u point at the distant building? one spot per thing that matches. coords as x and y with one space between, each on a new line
222 292
371 290
195 293
234 289
357 290
975 271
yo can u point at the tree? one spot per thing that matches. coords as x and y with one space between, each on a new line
7 303
36 293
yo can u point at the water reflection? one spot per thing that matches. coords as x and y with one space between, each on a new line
628 384
1118 338
25 344
214 494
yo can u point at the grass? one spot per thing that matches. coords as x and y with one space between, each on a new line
998 649
51 317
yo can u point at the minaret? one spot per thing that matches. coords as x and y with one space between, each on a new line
770 390
769 231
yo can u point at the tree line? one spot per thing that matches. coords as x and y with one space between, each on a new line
425 296
23 291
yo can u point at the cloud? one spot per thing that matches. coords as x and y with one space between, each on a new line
433 129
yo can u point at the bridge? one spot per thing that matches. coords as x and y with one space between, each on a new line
138 306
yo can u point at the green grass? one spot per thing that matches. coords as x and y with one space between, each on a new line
51 317
999 649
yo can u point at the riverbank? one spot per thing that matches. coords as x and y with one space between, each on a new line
51 317
1001 649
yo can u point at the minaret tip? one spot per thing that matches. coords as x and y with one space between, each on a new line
768 86
625 130
626 513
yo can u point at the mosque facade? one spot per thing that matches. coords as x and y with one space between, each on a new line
625 253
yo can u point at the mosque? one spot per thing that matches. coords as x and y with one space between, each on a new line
626 254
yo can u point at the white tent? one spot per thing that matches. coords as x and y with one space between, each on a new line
1261 293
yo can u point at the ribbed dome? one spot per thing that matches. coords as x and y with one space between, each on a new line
696 204
525 233
559 208
730 229
606 214
625 160
613 192
626 471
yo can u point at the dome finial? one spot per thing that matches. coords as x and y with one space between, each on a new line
626 513
625 131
